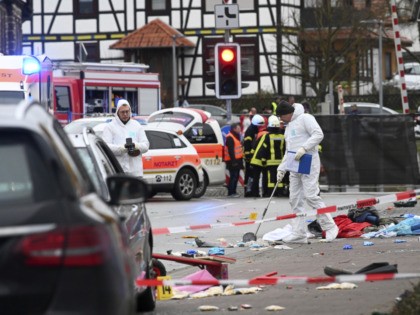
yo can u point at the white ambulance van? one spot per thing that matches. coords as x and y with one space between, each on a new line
203 132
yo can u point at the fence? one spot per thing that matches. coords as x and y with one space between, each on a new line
392 101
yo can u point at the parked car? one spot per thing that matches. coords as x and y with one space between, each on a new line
203 132
369 108
217 113
62 246
101 163
171 164
411 75
77 126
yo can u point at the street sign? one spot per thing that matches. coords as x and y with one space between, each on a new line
227 16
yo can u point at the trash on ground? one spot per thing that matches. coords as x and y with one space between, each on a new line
246 306
216 251
338 286
366 243
400 241
376 267
198 275
274 308
189 236
347 247
406 203
233 308
206 308
213 291
282 247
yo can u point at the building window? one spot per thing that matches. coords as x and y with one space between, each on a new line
249 56
158 7
365 65
87 52
388 66
85 9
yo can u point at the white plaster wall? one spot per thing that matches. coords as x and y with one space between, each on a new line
60 50
86 26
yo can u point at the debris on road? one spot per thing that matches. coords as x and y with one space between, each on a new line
206 308
338 286
274 308
246 306
406 203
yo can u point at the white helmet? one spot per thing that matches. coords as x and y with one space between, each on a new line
258 120
273 121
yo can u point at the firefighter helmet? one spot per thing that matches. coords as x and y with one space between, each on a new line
273 121
258 120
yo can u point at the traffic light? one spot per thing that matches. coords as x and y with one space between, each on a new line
228 70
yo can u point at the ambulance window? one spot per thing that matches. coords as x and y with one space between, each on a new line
201 133
11 97
163 140
172 117
159 140
62 94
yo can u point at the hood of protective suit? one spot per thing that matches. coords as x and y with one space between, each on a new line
299 110
119 105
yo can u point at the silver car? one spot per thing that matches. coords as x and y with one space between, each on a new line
101 163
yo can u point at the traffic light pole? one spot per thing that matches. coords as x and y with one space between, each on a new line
228 101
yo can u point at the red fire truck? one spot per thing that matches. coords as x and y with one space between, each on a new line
87 89
26 78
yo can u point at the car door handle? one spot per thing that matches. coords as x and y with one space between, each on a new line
148 158
177 157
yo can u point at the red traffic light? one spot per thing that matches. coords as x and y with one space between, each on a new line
227 55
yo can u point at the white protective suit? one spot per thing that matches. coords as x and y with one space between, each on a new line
304 131
115 134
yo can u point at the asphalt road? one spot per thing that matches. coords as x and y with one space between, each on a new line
302 260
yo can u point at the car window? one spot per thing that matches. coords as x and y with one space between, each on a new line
26 175
89 164
163 140
201 133
173 117
62 96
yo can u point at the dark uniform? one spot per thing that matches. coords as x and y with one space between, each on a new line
248 142
267 157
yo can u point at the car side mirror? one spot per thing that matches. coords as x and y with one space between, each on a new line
126 189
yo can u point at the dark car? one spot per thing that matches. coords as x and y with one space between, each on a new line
63 249
101 163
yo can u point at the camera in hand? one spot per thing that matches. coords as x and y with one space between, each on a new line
131 148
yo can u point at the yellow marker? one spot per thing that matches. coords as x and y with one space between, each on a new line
253 216
164 292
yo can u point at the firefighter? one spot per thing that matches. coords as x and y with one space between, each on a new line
234 158
249 138
268 155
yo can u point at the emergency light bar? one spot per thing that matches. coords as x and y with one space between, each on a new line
30 66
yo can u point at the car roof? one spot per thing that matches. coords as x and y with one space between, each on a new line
35 118
196 113
372 105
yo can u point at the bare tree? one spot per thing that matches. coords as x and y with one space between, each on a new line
328 44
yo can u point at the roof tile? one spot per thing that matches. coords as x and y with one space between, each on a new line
152 35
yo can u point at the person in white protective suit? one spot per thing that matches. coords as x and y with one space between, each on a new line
126 139
303 135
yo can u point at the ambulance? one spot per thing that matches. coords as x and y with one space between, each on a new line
203 132
88 89
26 78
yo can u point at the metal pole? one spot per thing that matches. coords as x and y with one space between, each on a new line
174 85
381 97
229 101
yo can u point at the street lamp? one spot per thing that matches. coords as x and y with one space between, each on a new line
379 23
174 68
